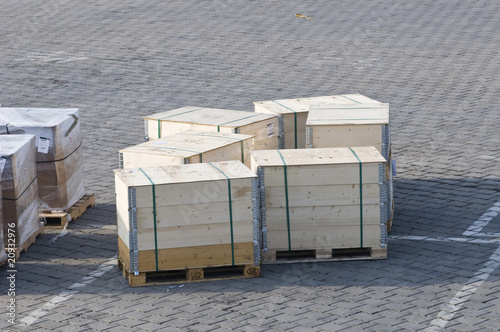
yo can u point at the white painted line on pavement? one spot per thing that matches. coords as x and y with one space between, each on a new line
68 293
445 315
445 239
483 221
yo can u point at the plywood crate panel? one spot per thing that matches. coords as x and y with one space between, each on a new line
321 199
199 215
188 147
293 114
263 126
19 186
353 125
59 157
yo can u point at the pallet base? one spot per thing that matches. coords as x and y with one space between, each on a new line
190 275
322 255
61 219
24 247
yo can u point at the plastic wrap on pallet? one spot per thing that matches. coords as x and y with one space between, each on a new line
23 212
17 164
19 186
58 152
9 129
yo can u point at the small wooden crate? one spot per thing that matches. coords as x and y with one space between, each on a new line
60 219
321 200
293 114
188 147
263 126
354 125
187 217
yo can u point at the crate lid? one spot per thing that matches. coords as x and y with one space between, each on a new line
321 156
348 115
209 116
36 117
184 173
187 143
299 105
10 144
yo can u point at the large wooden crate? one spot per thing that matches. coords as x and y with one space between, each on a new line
188 147
59 157
293 114
19 187
180 218
354 125
321 200
263 126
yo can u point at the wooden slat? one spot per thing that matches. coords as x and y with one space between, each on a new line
327 156
189 257
320 175
324 237
330 215
183 174
340 136
348 114
324 195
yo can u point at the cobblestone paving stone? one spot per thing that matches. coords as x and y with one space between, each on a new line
435 62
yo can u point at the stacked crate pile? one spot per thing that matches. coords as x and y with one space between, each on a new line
293 114
188 204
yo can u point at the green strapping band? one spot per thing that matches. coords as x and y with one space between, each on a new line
242 154
230 210
154 216
351 99
295 114
225 123
360 198
166 117
287 205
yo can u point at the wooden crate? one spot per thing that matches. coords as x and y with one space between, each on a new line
293 114
188 147
59 157
354 125
195 216
321 199
19 187
263 126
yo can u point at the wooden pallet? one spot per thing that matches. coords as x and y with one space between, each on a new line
26 244
190 275
61 219
323 255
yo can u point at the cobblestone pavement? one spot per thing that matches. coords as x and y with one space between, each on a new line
435 62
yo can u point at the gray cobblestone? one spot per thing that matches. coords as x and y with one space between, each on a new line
436 63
